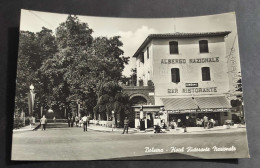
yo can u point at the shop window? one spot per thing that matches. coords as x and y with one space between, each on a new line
205 73
147 51
175 72
204 48
174 47
225 113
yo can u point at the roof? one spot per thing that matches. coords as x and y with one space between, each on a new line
178 35
196 103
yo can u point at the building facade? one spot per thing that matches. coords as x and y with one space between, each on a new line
189 74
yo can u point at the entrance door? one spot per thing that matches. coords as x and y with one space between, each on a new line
135 101
149 120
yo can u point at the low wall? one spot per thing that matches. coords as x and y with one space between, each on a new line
57 120
101 122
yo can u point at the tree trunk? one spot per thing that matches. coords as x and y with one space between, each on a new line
115 120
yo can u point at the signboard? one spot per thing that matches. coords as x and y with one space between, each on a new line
198 110
193 90
191 61
191 84
151 94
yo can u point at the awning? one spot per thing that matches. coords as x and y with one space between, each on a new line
179 103
194 103
212 102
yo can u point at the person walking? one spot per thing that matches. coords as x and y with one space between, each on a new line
88 119
43 122
72 121
126 122
179 122
54 119
77 121
85 123
69 119
205 121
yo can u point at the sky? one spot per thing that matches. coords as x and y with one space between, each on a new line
133 31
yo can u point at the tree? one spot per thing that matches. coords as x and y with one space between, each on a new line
73 39
68 66
112 99
34 48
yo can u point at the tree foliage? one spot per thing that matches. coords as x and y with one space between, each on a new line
69 65
34 48
112 99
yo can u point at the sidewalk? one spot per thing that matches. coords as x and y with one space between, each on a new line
190 130
27 128
108 129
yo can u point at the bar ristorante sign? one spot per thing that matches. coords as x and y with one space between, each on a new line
193 90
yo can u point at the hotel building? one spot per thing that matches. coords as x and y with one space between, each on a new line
179 75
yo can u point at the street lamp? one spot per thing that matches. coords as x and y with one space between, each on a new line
141 121
113 118
31 97
50 110
78 110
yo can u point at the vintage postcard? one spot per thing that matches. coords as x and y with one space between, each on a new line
100 88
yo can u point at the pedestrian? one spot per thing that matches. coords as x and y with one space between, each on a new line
172 124
126 122
43 122
186 123
157 128
69 119
212 123
85 124
77 121
72 121
179 123
33 120
205 121
54 119
80 121
88 119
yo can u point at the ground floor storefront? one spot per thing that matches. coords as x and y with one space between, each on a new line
196 119
189 111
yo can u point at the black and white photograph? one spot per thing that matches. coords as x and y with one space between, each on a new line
113 88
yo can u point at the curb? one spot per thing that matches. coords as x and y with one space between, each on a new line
110 131
173 133
29 129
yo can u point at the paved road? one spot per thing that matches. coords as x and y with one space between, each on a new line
63 143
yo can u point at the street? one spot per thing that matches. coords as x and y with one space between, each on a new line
59 142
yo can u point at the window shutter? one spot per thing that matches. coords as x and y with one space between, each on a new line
205 73
203 46
175 75
174 47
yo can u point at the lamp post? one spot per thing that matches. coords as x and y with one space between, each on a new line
113 119
31 97
142 122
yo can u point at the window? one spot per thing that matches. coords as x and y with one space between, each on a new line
204 48
205 73
147 51
142 57
174 47
175 72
